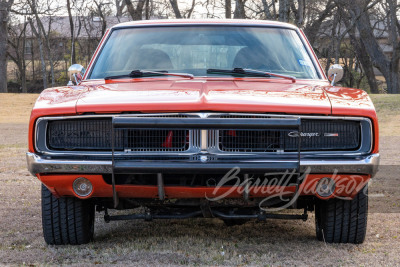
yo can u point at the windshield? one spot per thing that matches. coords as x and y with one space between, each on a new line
195 49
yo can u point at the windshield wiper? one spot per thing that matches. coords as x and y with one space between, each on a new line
257 73
145 73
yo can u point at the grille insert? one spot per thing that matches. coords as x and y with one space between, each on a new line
155 140
94 134
316 135
252 140
80 135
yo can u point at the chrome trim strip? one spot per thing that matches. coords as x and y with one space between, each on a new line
361 165
37 164
367 165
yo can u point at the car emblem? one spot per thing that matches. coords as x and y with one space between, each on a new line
296 134
203 158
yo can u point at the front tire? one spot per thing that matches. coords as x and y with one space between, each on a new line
342 221
66 220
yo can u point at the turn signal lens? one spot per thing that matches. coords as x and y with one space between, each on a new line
82 187
325 187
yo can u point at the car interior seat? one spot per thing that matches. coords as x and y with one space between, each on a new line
149 59
250 59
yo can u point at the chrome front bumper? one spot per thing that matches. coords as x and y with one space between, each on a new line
358 165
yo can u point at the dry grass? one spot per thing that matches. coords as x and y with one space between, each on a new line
388 109
16 108
182 242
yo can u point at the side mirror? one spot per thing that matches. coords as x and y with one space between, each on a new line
75 73
335 73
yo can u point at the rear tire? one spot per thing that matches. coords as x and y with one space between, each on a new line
342 221
66 220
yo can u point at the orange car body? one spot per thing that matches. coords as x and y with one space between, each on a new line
200 94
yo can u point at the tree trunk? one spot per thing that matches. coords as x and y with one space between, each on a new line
4 11
43 62
368 69
312 30
360 53
147 13
23 61
228 9
240 10
388 68
392 82
284 6
136 13
46 38
175 8
119 5
364 59
71 26
103 19
300 13
190 11
267 12
33 62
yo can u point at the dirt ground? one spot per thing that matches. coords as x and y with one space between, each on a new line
194 241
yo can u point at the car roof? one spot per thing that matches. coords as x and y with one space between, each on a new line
239 22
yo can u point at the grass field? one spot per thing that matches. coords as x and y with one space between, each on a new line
388 109
196 241
16 108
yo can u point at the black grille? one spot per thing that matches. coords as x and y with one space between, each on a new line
80 135
252 140
95 134
155 140
316 135
341 135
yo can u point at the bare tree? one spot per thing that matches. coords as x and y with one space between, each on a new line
266 8
284 10
175 8
119 6
136 13
71 27
360 52
38 35
387 65
339 30
42 33
5 6
101 11
182 13
317 13
240 12
228 9
299 11
16 51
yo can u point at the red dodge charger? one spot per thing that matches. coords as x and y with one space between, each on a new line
229 119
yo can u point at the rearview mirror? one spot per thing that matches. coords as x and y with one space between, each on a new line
75 73
335 73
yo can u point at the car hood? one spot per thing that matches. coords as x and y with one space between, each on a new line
204 95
